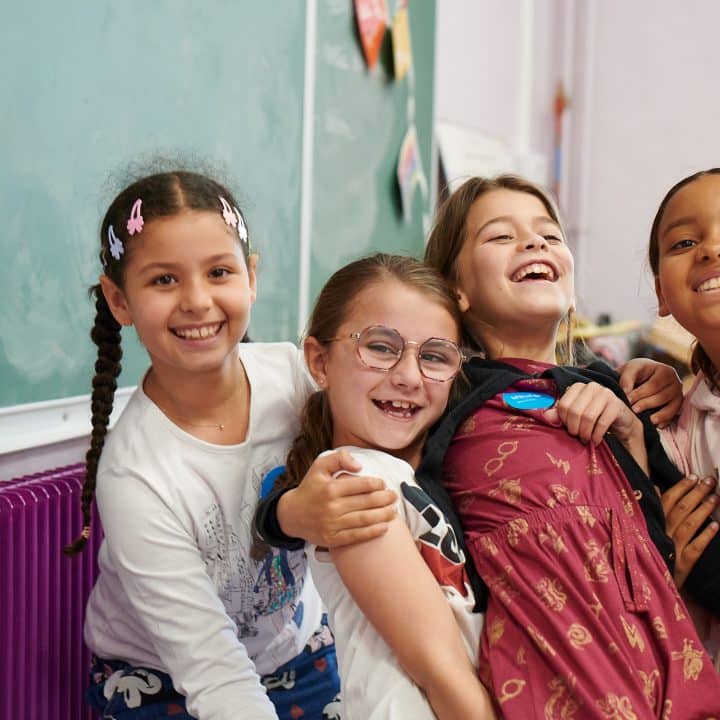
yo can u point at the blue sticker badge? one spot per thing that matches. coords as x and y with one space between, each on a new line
528 400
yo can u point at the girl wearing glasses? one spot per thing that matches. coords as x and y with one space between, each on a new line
382 347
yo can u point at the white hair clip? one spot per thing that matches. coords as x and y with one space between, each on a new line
115 244
233 218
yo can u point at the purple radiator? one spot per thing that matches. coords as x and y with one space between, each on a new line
43 661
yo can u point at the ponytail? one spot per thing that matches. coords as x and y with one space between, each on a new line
106 335
700 362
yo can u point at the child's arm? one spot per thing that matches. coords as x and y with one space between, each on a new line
649 384
589 410
329 511
398 594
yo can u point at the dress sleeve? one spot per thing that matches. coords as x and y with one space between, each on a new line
164 580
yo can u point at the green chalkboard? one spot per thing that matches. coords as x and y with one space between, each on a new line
361 118
90 88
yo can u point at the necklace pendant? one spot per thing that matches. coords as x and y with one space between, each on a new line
221 426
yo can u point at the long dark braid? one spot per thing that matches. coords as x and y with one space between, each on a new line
106 335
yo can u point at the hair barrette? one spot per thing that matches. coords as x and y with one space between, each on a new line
229 216
115 244
136 222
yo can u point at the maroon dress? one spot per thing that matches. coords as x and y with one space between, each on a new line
583 618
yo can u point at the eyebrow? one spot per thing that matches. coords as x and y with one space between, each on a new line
689 220
510 219
155 266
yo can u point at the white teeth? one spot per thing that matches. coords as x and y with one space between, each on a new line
198 333
399 404
534 269
711 284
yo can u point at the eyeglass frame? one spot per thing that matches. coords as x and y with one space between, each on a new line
357 334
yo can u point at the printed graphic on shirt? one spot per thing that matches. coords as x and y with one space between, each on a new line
438 543
248 589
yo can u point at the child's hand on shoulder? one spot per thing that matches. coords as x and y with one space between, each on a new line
589 410
331 511
651 384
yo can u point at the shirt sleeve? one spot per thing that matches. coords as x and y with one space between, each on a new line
163 576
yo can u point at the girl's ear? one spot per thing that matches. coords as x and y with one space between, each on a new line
663 309
116 300
252 263
316 358
462 300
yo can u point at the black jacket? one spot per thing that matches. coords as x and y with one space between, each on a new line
487 379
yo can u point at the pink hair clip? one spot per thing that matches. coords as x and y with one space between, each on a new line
229 216
115 244
136 222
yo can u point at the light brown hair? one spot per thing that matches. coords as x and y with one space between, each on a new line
449 233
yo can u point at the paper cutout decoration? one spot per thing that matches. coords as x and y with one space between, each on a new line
371 16
409 170
402 50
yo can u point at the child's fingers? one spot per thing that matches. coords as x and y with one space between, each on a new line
681 499
630 375
359 534
665 414
686 530
353 502
686 559
337 461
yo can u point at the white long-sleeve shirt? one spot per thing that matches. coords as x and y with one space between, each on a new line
177 589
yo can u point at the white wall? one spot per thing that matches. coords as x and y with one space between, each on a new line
643 113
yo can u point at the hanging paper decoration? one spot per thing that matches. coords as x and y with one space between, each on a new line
410 174
402 49
371 16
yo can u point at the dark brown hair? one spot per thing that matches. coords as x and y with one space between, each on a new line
449 233
700 360
163 195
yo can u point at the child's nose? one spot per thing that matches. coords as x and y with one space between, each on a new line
532 241
710 247
195 297
407 372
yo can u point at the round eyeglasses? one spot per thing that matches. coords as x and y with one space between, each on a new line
381 348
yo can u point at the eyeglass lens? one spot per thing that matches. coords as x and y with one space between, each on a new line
381 348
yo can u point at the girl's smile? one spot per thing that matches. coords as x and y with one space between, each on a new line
386 409
514 275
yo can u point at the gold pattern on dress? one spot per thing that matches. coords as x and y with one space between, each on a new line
579 636
650 685
586 515
561 704
594 467
540 641
564 495
563 465
613 649
667 710
467 426
501 585
496 631
633 635
516 528
520 656
596 566
626 502
597 607
679 612
646 592
518 422
615 707
551 592
511 689
692 659
504 450
511 490
659 627
552 536
488 545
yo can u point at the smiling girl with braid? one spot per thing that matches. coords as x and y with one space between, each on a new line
182 622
